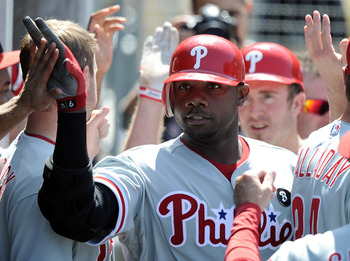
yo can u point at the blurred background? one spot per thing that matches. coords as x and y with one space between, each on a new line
279 21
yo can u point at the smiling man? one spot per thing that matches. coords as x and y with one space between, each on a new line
270 112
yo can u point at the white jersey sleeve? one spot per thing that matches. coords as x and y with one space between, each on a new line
331 245
25 233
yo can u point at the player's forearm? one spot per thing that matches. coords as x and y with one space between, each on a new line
12 113
146 125
336 99
244 239
68 197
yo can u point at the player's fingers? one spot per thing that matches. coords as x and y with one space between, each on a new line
33 30
269 179
326 38
100 15
174 40
157 39
308 31
317 22
38 62
316 32
112 22
166 37
342 49
147 46
98 116
104 129
33 50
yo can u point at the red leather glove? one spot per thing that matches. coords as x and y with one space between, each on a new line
67 74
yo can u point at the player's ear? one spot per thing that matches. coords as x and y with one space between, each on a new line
242 93
298 103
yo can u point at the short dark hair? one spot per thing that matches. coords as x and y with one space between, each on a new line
294 89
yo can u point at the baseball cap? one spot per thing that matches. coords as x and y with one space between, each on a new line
8 58
271 62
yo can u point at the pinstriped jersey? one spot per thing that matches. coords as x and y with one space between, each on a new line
175 205
24 233
321 186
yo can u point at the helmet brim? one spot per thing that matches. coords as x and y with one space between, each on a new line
263 77
201 76
9 58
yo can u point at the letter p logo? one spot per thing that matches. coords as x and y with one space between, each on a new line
254 57
200 52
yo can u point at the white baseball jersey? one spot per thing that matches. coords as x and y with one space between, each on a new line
329 246
24 233
175 205
321 186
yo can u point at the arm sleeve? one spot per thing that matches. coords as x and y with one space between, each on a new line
68 198
244 240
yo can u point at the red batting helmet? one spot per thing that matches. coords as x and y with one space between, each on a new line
204 58
271 62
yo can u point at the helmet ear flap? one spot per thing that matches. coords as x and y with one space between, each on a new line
167 100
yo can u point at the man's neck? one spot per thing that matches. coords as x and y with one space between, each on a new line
43 123
224 152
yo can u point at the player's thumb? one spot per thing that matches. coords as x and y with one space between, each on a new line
98 116
269 180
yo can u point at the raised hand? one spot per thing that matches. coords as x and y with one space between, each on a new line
104 28
67 74
328 62
34 94
155 61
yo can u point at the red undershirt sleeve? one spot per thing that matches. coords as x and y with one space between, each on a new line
244 240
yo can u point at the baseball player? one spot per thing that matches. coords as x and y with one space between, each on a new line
25 234
276 96
320 188
171 201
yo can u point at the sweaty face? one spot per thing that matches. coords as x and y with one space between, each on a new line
266 113
205 110
5 81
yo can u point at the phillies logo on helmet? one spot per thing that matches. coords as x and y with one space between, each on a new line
253 57
200 52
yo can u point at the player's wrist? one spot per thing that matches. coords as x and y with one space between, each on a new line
150 93
72 103
245 206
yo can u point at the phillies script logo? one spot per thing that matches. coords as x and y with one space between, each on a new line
213 224
6 175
